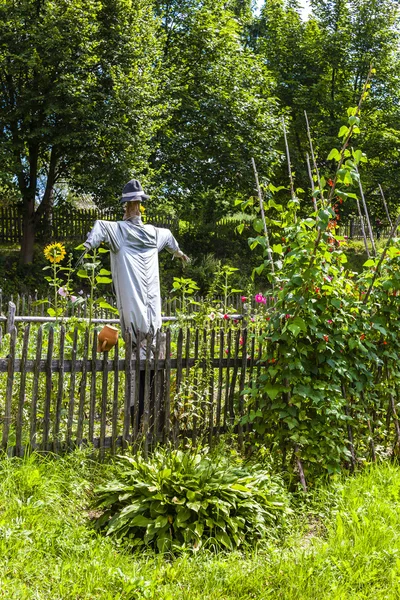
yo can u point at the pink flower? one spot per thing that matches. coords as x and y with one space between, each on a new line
63 292
287 316
74 299
243 298
330 321
226 317
241 341
235 321
260 299
226 351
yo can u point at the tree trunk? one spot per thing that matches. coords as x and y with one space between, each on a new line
28 232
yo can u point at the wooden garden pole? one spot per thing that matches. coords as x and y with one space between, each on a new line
288 160
269 251
312 182
362 227
371 235
385 205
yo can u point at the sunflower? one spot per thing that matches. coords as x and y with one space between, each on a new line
55 252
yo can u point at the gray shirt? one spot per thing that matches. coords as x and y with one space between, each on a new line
134 252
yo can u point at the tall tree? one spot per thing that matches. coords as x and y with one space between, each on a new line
78 96
320 66
223 109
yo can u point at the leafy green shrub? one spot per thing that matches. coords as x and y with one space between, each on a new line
177 500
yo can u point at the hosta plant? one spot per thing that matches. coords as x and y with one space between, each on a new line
175 500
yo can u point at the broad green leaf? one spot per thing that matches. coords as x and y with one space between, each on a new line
272 390
334 155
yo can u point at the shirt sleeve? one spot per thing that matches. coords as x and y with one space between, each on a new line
108 232
166 240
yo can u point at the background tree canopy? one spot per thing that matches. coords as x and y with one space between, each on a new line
182 93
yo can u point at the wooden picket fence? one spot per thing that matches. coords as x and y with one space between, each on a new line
69 223
59 393
35 305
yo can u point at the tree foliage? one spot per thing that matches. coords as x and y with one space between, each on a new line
320 66
79 96
222 108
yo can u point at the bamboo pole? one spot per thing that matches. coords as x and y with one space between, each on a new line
269 251
371 234
385 205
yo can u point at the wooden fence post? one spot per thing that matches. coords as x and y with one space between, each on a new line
10 317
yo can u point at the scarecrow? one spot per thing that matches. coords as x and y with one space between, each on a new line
134 248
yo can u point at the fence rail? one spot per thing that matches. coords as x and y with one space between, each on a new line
57 393
34 305
70 223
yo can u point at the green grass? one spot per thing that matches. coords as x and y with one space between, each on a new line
344 543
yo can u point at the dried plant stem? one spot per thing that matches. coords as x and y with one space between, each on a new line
385 205
260 197
288 160
391 234
313 156
371 234
311 181
300 467
363 228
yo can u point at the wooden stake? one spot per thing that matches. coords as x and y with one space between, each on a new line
260 198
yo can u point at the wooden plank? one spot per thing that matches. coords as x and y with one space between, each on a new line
186 409
211 391
115 406
47 399
10 317
92 399
60 391
195 383
72 382
167 400
126 437
228 355
157 388
233 381
103 413
97 365
204 364
21 401
35 388
250 375
136 399
146 405
220 382
82 390
241 386
178 382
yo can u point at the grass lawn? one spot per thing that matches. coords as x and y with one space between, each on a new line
344 543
